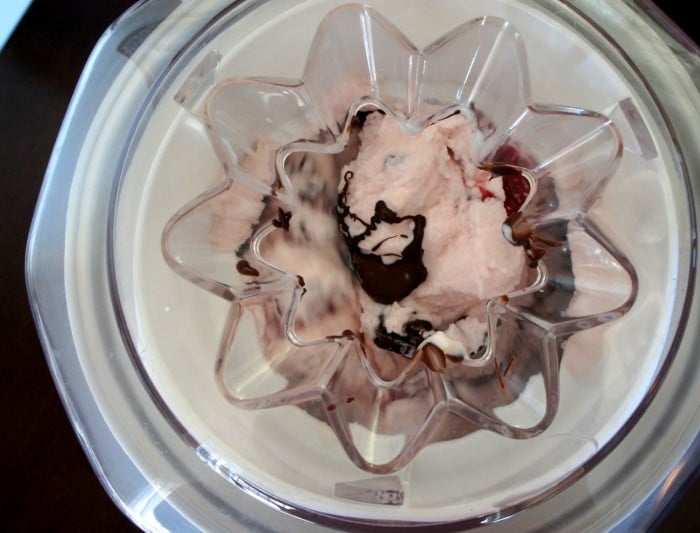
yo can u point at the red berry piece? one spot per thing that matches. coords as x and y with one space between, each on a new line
507 154
510 154
516 188
485 193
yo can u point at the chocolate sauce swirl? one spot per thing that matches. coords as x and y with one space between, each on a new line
383 283
402 344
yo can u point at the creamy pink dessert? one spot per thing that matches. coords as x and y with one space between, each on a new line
396 241
423 228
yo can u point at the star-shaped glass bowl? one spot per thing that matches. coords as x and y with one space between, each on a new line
265 238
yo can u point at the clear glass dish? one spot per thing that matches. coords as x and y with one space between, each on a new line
249 350
168 382
280 349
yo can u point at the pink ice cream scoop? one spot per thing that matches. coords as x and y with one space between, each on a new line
423 228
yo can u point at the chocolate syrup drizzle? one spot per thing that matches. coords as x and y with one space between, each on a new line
244 268
401 344
385 284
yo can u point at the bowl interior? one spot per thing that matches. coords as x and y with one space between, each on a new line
289 455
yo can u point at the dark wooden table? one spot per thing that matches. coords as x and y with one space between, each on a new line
47 483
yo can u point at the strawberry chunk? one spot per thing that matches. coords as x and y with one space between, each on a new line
515 185
507 154
485 193
516 188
